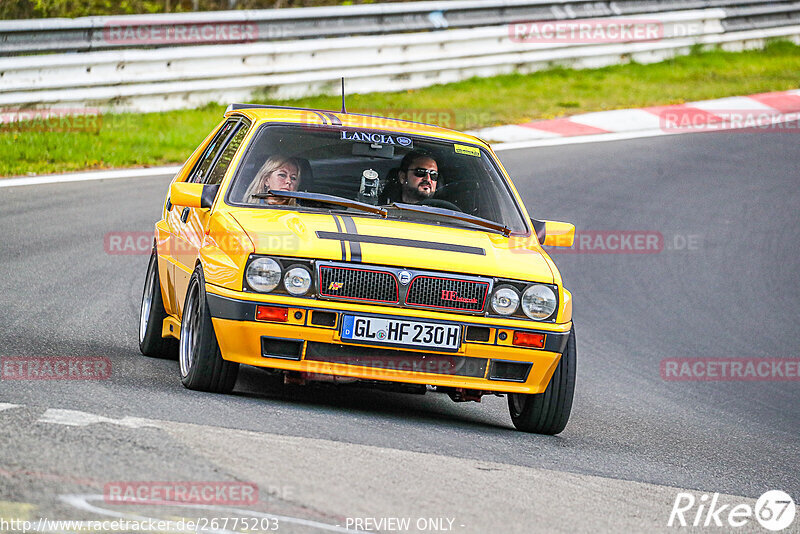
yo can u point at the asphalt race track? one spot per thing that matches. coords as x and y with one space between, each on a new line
724 283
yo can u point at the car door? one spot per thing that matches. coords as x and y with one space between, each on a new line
188 225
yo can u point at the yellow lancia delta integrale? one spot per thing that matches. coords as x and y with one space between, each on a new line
327 246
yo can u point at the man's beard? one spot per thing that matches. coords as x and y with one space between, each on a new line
417 194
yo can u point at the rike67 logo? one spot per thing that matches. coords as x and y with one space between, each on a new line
774 510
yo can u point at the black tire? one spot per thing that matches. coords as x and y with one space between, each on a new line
151 318
548 412
201 364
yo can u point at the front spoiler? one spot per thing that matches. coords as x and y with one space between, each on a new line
322 351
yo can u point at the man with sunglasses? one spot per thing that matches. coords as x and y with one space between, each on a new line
418 177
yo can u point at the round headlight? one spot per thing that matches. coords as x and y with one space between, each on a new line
505 301
297 281
264 274
539 302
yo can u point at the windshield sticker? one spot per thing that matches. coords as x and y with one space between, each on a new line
381 139
468 150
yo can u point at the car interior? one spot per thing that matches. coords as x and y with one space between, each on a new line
332 166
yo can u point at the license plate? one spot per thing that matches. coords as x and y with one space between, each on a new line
399 332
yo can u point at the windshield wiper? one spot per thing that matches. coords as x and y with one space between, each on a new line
327 199
486 223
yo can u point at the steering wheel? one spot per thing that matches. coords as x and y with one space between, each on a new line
439 203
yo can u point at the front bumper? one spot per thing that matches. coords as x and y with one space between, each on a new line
310 342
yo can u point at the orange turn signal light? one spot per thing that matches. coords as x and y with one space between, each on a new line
272 313
528 339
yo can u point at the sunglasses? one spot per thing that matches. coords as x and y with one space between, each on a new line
420 172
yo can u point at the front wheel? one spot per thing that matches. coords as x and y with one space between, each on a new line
548 412
151 317
201 363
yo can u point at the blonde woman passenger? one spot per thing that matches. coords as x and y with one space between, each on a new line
279 173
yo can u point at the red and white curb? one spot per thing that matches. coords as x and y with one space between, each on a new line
760 110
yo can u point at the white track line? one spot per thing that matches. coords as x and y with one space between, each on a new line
76 418
87 176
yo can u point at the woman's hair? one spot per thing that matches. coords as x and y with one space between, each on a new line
273 163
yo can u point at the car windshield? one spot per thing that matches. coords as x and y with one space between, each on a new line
340 168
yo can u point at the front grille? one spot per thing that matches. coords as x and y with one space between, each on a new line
447 293
358 284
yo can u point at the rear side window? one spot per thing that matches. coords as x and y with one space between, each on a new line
225 158
205 162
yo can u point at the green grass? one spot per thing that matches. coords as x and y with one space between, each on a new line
126 140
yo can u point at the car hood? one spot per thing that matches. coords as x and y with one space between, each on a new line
411 245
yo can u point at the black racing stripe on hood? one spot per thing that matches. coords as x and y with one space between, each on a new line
339 227
355 246
401 242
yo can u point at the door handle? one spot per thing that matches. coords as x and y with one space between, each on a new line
185 214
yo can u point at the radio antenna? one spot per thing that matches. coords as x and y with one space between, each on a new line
344 109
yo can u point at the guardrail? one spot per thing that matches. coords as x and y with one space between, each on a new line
84 34
179 77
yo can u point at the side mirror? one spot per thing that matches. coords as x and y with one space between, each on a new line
192 195
554 233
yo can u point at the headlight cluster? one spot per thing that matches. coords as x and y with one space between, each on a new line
538 301
505 300
265 274
297 281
